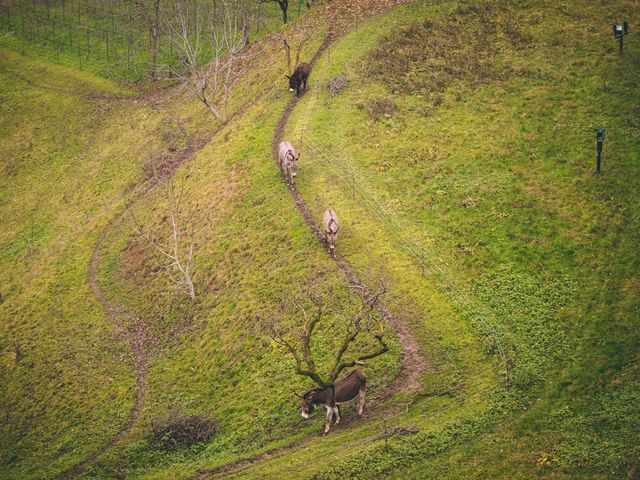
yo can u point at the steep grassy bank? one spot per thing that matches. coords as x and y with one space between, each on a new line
465 141
67 161
252 255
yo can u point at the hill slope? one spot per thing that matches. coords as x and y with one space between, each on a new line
459 159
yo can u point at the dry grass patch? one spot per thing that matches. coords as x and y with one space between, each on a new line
431 55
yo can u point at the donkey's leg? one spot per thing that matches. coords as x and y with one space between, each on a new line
361 396
337 411
327 425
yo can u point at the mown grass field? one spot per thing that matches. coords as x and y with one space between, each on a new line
460 159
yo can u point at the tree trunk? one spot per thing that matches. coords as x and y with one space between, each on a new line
153 52
155 33
284 5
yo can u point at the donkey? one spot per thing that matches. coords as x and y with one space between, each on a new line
331 225
288 160
298 80
352 386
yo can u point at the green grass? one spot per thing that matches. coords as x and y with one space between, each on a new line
66 378
486 181
470 190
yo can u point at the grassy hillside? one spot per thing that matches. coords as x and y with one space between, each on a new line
459 157
66 160
464 139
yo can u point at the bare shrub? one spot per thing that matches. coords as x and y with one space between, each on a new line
176 252
180 431
337 85
197 32
362 338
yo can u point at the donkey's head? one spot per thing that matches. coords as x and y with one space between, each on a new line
294 82
307 404
293 165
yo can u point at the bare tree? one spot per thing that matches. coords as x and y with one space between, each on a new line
298 38
150 13
363 322
175 258
224 34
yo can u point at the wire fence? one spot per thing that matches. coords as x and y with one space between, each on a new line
432 266
114 35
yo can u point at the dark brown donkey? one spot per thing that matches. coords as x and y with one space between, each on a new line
352 386
298 81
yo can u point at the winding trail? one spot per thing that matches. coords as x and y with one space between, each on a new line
128 326
414 364
136 332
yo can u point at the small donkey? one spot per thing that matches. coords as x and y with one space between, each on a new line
331 225
298 81
352 386
288 161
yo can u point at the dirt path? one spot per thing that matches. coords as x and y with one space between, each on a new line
137 334
414 364
128 326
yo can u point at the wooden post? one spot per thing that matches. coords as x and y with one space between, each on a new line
386 436
23 15
599 141
129 50
35 15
